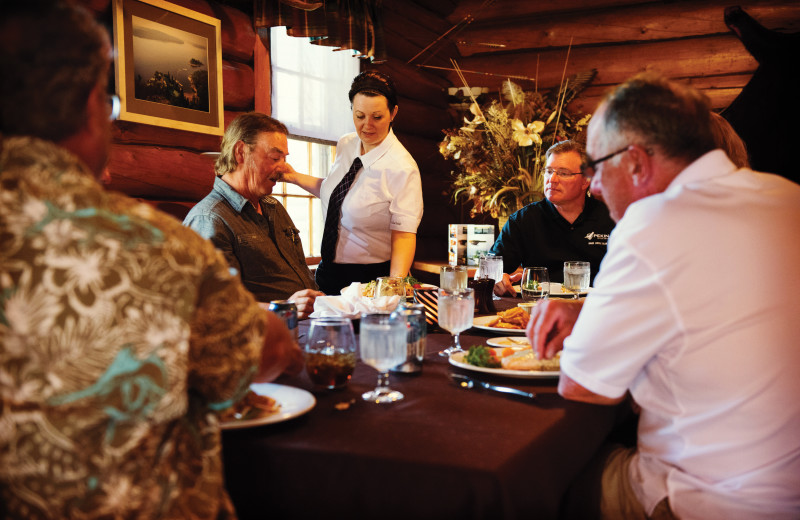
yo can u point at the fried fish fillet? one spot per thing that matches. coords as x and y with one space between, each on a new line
526 360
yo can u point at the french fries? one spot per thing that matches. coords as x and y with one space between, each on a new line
251 406
514 318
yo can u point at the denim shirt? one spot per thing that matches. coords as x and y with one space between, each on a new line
265 249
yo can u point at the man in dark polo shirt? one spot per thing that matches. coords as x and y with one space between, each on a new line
252 229
566 225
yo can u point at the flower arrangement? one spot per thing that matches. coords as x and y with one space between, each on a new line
499 152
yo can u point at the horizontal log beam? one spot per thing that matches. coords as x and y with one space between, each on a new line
238 86
128 132
416 83
420 119
157 173
697 57
637 23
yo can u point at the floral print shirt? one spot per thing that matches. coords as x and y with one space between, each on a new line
121 332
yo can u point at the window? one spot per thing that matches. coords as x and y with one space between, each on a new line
309 95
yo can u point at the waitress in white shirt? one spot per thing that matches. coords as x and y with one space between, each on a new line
374 232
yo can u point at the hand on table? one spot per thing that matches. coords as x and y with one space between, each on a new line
279 353
305 302
551 322
505 287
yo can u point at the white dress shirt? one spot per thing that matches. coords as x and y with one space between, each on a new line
386 196
696 311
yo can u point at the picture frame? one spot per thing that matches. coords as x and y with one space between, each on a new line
168 66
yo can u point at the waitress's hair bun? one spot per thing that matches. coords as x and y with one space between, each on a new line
374 83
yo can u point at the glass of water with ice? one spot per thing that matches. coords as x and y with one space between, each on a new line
576 277
456 310
382 338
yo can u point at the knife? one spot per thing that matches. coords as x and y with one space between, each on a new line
467 382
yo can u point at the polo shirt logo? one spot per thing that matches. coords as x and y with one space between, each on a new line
600 239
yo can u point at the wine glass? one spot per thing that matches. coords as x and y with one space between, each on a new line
330 352
456 309
383 346
453 277
535 284
576 277
390 286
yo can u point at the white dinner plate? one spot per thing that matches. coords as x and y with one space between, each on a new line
294 402
480 322
457 359
555 291
509 341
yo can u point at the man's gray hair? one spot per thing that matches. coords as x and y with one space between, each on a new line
674 117
564 147
246 128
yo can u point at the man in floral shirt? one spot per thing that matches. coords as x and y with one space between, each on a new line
121 331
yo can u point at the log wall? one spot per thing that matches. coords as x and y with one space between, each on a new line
684 39
166 166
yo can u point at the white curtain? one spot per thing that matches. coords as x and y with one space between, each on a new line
310 85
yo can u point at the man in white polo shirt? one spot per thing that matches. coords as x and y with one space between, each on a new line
682 319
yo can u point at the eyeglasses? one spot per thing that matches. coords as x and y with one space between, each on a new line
588 166
113 107
561 173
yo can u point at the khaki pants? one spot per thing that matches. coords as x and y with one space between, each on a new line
617 501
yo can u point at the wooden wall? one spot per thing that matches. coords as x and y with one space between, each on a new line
166 166
683 39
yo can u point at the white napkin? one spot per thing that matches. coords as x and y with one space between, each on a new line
351 304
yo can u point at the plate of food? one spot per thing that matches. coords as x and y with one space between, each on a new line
556 291
508 362
509 341
511 321
267 403
410 283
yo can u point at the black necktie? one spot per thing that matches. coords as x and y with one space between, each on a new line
330 235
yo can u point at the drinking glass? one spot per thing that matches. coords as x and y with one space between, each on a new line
576 277
330 352
456 309
383 346
491 267
479 270
453 277
390 286
535 284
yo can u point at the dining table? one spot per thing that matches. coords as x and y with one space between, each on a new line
444 451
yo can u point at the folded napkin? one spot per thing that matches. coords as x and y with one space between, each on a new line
351 304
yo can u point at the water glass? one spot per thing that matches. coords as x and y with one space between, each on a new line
390 286
479 270
456 310
576 277
490 267
535 284
383 345
453 277
330 352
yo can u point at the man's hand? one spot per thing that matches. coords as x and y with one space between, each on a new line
505 287
280 353
304 300
551 322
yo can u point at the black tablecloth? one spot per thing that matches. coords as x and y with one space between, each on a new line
442 452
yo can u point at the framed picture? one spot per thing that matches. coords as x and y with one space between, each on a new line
168 66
